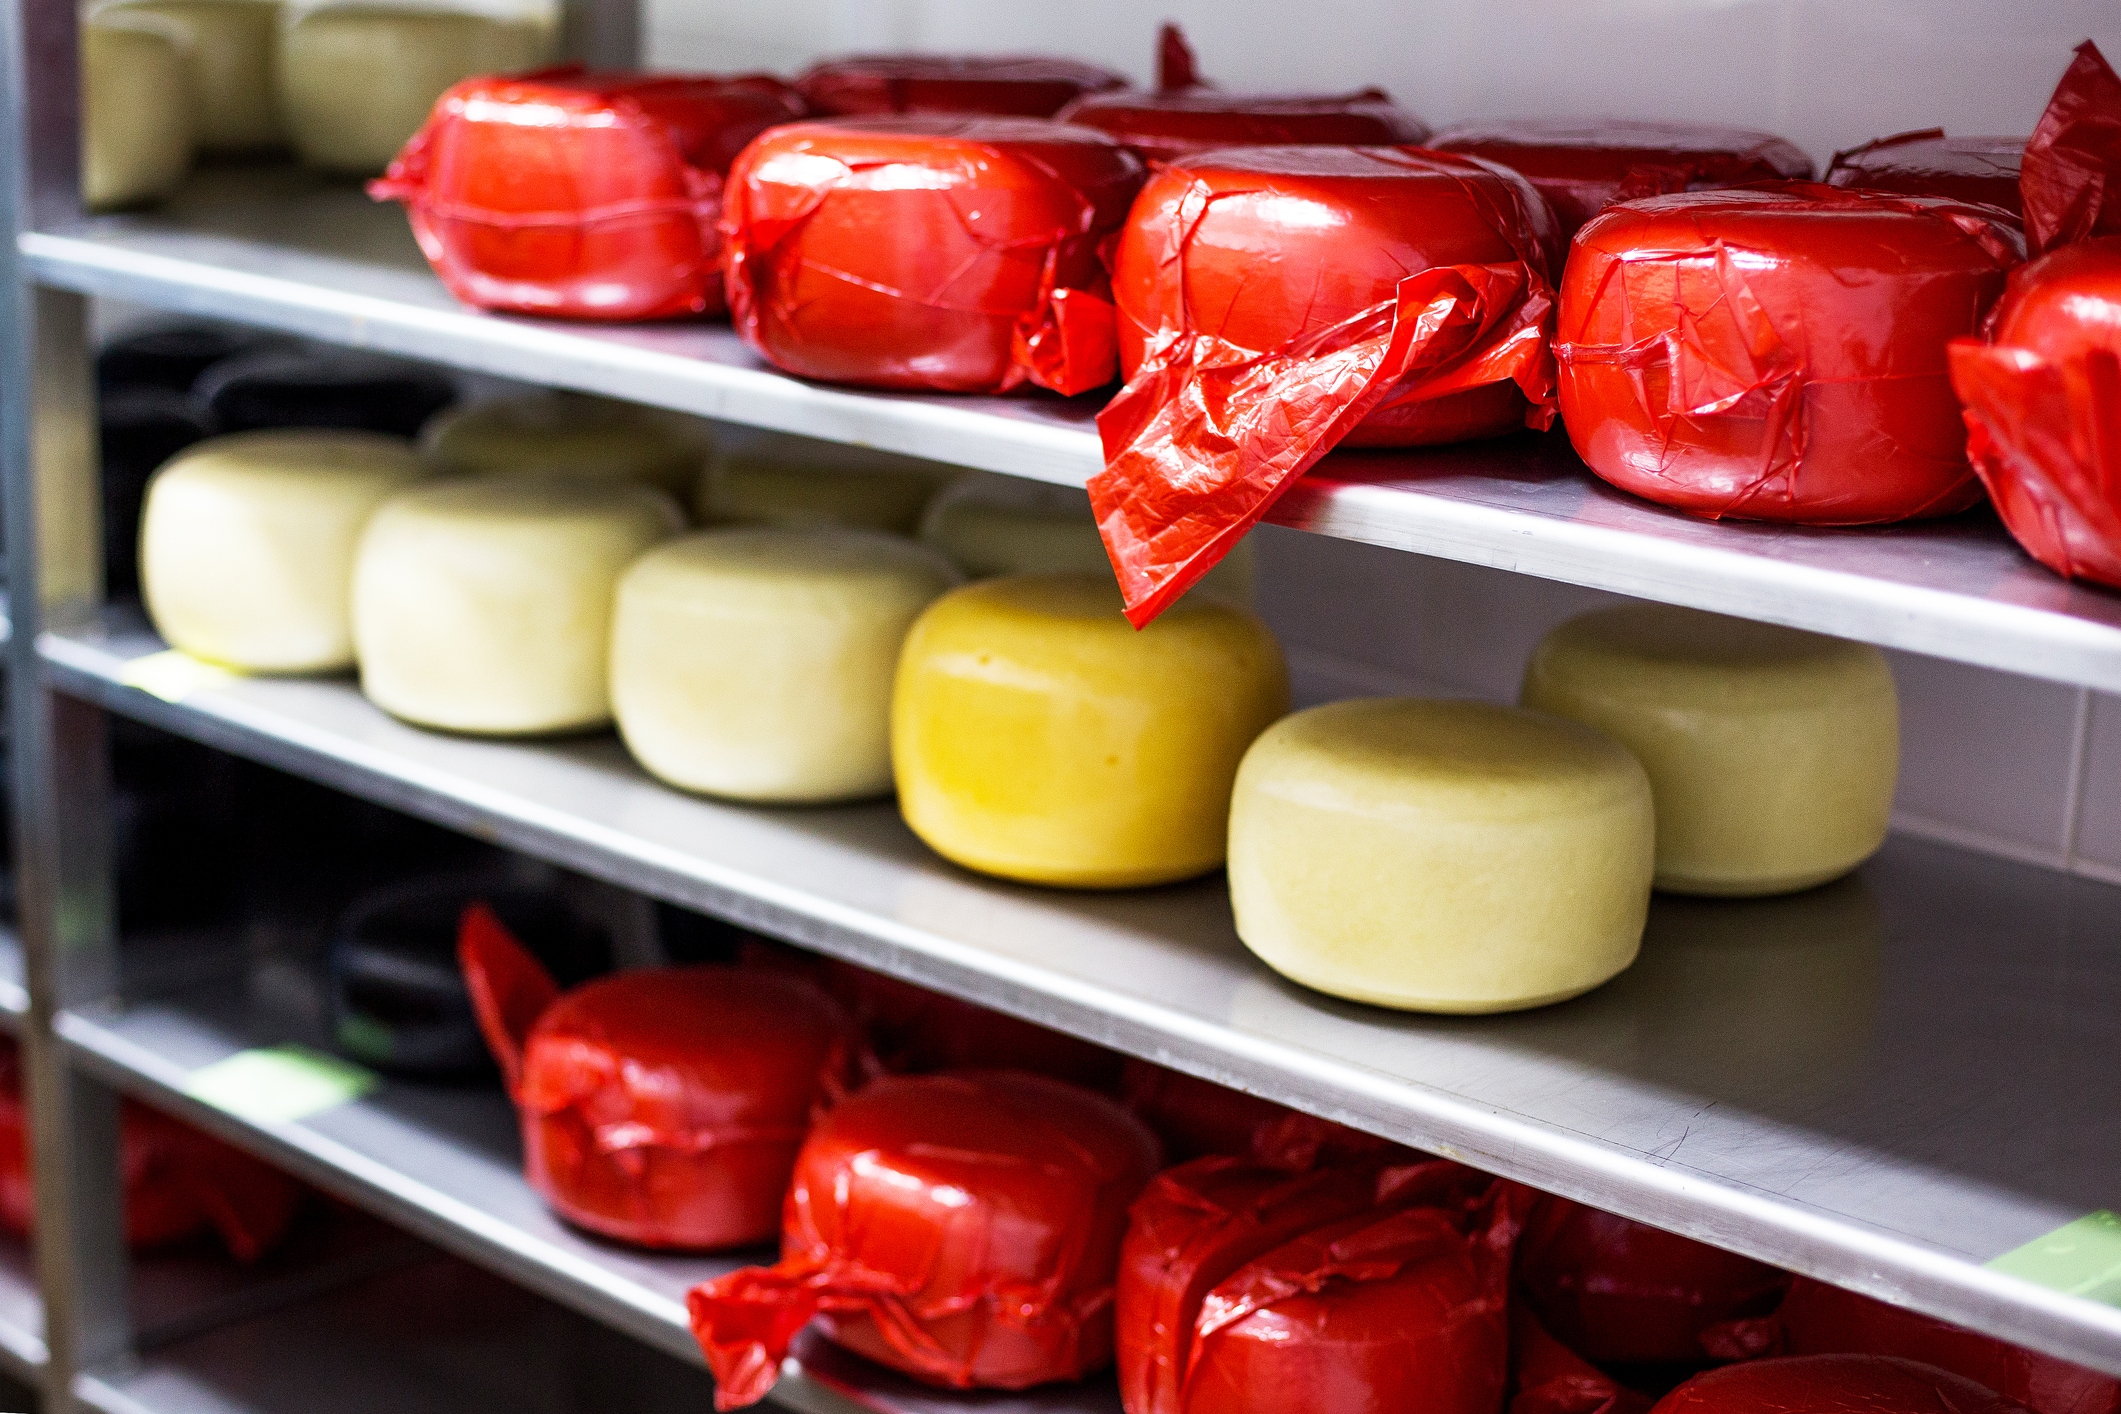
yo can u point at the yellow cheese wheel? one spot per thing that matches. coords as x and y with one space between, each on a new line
247 544
1440 856
757 663
570 434
485 606
770 479
357 80
234 108
136 121
1773 753
1035 735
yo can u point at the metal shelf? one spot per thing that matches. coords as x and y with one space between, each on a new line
280 249
1885 1084
22 1352
14 994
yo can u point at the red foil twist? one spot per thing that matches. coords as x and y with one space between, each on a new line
1834 1384
1198 1117
866 85
1927 163
2070 178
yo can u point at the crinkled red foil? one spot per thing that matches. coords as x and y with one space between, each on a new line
1275 302
1778 352
962 1228
1198 1117
1171 124
661 1107
1582 168
1833 1384
2070 177
1927 163
915 1030
949 254
1546 1377
581 195
1009 86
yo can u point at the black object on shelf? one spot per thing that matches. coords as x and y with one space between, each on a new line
171 356
141 426
336 390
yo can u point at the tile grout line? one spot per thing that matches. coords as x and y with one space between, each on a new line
2079 769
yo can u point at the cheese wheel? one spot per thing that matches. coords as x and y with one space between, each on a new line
485 605
569 434
1927 163
1772 753
136 139
357 80
247 544
1037 736
233 106
758 663
794 482
1440 856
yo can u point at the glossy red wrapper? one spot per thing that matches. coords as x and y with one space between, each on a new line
1198 1117
962 1228
915 1030
1927 163
1013 86
1582 168
662 1107
581 195
948 254
1166 126
2070 176
1546 1377
1778 353
1276 302
1834 1384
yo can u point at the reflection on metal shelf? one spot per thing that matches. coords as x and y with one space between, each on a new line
14 995
22 1352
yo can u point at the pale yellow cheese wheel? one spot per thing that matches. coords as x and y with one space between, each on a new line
1037 736
794 482
485 605
1773 753
357 80
757 663
136 113
234 108
1440 856
247 544
570 434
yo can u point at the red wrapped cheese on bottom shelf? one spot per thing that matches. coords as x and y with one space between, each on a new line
1198 1117
1275 302
1546 1377
1833 1384
1778 352
587 196
950 254
961 1228
1927 163
662 1107
1010 86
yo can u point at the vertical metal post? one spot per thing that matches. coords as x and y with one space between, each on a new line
604 34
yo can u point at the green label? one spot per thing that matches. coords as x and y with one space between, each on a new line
2082 1258
279 1084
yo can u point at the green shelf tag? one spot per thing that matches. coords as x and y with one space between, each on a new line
279 1084
2082 1258
173 675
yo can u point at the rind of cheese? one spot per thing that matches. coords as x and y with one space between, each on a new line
247 544
233 103
757 663
1773 752
1037 736
484 606
136 110
569 434
1440 856
794 483
357 80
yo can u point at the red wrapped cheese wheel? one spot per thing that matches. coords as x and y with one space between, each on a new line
1778 353
2070 177
952 254
1546 1377
913 1029
1008 86
1582 168
1623 1292
1927 163
1275 302
662 1107
1165 126
1833 1384
587 196
962 1228
1198 1117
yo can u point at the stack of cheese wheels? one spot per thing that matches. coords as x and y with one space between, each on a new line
485 605
1772 753
1037 736
569 434
357 80
247 544
1515 853
233 105
757 663
794 482
136 119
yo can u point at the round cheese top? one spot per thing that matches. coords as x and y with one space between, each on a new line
136 109
573 434
234 98
794 482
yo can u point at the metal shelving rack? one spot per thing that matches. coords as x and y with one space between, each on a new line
1889 1083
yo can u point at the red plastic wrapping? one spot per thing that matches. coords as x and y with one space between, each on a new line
1546 1377
1927 163
2070 178
662 1107
1582 168
962 1228
1778 353
177 1182
1008 87
1275 302
1198 1117
1833 1384
587 196
2043 409
953 254
1169 125
914 1030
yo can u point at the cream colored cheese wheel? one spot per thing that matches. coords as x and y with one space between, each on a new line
136 119
769 479
247 544
1440 856
357 80
1037 736
233 104
1773 753
485 606
757 663
569 434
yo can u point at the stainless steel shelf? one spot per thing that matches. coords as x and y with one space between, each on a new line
14 994
280 249
22 1352
1885 1084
